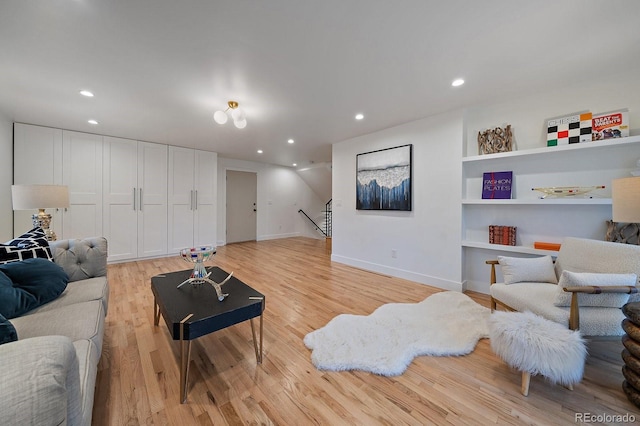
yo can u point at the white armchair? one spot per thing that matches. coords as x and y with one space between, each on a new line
599 276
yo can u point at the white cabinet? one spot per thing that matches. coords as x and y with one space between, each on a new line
121 188
82 173
43 155
135 198
548 220
37 159
192 198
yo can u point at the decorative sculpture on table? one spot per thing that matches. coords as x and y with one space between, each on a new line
199 255
495 140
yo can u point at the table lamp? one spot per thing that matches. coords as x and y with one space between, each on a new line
625 195
41 197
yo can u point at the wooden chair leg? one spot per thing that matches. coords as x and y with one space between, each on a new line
526 379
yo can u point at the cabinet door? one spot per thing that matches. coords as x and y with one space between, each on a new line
181 198
120 208
152 199
82 172
206 172
37 159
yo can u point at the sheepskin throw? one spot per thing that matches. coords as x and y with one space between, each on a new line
385 342
532 344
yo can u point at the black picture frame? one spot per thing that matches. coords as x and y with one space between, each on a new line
383 179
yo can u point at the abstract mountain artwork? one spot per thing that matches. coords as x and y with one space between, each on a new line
383 180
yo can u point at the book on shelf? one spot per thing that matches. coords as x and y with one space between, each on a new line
505 235
609 125
573 128
541 245
497 185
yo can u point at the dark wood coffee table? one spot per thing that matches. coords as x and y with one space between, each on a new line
192 311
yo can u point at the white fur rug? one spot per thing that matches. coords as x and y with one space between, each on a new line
385 342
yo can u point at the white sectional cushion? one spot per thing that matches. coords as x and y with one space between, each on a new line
586 279
77 321
532 270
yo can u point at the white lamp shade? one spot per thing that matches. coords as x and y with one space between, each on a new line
237 114
240 124
220 117
625 194
29 197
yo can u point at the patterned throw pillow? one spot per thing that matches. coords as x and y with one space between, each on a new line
29 245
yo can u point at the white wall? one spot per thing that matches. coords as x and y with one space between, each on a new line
281 193
6 177
427 239
527 117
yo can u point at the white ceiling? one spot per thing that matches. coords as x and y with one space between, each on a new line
300 69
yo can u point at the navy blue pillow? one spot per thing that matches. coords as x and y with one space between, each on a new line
28 284
7 331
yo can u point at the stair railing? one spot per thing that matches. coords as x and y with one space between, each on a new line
328 215
312 221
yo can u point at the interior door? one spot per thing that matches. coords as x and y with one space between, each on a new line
241 206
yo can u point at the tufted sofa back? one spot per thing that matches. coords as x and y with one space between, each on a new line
81 259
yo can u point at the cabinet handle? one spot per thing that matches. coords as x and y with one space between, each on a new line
140 200
134 198
196 201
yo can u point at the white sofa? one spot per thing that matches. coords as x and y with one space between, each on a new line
576 255
49 374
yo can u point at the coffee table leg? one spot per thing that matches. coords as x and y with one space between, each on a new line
185 356
255 343
156 312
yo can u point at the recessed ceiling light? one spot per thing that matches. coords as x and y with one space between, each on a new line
295 164
92 122
86 93
290 141
259 151
359 116
457 82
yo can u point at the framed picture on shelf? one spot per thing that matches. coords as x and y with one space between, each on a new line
383 179
497 185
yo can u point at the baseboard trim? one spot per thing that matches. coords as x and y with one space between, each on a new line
399 273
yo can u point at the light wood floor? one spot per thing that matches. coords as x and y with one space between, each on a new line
138 377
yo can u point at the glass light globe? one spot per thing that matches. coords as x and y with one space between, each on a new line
240 124
237 114
220 117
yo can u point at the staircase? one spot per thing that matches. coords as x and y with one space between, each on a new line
323 223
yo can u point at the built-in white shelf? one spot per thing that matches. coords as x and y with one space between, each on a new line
513 249
540 202
607 143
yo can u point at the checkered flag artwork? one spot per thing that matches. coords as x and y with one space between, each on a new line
570 129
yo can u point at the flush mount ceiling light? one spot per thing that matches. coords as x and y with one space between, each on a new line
457 82
239 119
